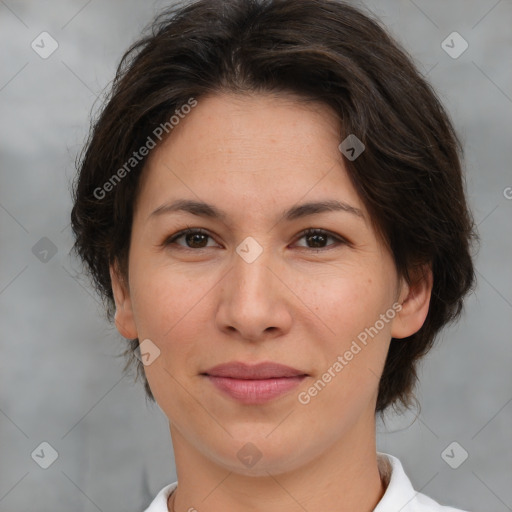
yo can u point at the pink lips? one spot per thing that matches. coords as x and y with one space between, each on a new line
254 384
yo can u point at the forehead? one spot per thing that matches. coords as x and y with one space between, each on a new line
250 152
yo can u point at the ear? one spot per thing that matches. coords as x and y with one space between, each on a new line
124 318
414 300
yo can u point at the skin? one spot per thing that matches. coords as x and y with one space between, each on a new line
298 303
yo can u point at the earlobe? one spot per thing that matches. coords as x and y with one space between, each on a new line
414 303
124 318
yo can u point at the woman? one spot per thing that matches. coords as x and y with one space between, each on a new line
272 204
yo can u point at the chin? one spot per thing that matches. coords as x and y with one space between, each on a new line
258 455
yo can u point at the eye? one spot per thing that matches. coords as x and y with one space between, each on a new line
198 239
195 237
318 237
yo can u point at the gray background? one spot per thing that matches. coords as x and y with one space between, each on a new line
60 374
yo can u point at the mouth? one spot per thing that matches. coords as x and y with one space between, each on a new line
260 371
254 384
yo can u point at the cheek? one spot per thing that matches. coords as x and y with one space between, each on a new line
172 311
352 307
348 302
164 300
175 309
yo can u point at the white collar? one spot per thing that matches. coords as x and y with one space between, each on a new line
400 495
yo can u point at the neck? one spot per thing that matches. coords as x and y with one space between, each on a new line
345 478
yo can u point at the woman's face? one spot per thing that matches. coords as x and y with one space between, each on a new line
252 288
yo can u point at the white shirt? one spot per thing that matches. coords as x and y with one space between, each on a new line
399 496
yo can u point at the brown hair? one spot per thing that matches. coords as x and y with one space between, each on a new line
409 176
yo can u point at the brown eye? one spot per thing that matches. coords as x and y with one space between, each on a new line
317 238
194 239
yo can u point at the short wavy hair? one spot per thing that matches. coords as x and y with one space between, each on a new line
409 177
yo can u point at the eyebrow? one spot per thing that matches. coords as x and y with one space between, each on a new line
202 209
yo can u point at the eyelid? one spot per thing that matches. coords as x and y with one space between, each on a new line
178 234
340 240
311 231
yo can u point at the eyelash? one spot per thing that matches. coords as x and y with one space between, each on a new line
307 232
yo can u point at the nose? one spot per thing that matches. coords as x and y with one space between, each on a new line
254 302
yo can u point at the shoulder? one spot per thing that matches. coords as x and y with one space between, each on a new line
159 504
400 494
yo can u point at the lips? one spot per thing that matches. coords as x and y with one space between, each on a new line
254 384
266 370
